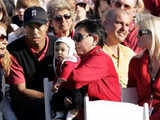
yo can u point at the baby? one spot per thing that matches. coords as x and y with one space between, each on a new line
66 101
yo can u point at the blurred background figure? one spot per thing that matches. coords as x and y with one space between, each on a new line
153 6
5 18
21 6
82 11
100 7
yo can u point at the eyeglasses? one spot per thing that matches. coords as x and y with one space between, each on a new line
125 6
2 38
79 37
81 4
59 18
144 32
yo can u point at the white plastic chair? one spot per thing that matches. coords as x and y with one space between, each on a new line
47 97
109 110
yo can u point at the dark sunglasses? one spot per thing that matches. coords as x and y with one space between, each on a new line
81 4
59 18
2 38
144 32
79 37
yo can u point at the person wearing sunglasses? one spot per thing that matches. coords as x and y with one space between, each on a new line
96 67
144 69
5 66
116 23
96 70
60 14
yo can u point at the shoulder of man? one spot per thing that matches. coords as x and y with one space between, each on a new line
16 45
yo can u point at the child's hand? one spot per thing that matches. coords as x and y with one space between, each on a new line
57 84
56 87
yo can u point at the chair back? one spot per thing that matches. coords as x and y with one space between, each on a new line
47 97
109 110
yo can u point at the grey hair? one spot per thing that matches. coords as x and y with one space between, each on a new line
56 5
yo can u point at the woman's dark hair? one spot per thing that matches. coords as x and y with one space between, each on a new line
93 26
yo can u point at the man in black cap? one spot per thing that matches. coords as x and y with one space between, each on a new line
32 57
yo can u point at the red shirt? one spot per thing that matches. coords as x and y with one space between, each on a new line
17 73
132 40
97 71
153 6
139 77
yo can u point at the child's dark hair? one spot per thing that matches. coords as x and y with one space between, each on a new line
93 26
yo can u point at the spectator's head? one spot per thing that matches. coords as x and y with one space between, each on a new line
4 54
22 5
3 13
81 11
130 6
116 23
101 6
86 38
61 16
64 48
149 36
36 25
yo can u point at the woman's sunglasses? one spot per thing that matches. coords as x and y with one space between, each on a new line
59 18
144 32
79 37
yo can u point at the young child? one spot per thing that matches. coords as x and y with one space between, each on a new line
66 100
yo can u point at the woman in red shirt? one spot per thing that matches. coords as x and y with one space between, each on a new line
144 69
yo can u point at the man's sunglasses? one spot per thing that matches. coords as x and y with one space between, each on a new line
79 37
2 38
81 4
144 32
59 18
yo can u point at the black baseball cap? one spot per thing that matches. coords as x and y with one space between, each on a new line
35 15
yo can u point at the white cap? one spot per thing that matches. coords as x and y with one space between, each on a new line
70 43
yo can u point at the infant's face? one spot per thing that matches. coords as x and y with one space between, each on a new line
61 51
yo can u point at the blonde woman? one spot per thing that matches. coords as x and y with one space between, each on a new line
61 18
5 64
5 61
144 69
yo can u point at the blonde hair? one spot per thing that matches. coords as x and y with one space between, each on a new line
152 23
6 60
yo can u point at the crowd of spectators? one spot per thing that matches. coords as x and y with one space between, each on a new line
115 45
